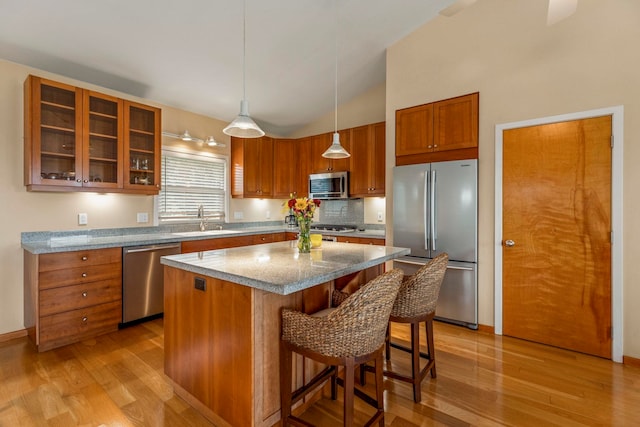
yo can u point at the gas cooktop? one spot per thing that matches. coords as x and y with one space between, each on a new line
337 228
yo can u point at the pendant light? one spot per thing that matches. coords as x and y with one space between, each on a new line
243 126
335 150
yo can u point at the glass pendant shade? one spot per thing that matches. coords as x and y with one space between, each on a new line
243 126
335 150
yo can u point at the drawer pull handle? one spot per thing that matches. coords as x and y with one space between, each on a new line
84 258
84 274
85 319
84 294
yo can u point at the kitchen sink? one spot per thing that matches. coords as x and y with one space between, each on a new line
205 233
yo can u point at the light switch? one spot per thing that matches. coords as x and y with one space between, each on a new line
143 217
379 215
238 215
83 219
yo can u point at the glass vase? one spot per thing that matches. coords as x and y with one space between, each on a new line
304 239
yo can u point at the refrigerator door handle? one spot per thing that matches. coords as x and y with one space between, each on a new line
432 231
425 200
451 267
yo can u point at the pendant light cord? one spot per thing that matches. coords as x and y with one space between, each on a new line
244 49
336 70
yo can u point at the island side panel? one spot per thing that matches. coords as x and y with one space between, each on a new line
208 343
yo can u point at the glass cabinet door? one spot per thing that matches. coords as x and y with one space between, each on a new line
53 129
102 155
142 148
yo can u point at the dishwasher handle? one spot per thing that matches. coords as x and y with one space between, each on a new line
150 248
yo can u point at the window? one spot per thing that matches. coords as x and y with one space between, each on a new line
188 181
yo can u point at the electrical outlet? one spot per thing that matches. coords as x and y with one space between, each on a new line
268 215
238 215
143 217
380 216
83 219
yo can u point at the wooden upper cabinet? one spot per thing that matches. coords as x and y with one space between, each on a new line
319 144
77 140
455 123
285 167
443 130
252 167
367 177
414 130
53 134
303 165
102 141
142 148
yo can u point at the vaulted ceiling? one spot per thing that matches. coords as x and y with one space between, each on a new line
188 54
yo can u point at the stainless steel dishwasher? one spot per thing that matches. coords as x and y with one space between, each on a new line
143 281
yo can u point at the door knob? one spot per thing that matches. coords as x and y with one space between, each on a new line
509 243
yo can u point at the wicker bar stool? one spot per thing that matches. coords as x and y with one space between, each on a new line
349 335
416 303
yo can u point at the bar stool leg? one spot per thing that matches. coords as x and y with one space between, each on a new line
430 346
415 361
349 384
380 387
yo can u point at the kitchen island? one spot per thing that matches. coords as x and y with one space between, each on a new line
222 320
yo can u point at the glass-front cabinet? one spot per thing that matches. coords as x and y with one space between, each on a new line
102 148
52 134
80 140
142 147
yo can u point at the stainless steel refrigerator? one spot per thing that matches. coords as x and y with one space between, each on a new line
435 210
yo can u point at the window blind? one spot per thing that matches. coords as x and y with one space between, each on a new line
191 180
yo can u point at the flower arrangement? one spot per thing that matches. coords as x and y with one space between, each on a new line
303 208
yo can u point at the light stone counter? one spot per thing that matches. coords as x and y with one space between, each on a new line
279 268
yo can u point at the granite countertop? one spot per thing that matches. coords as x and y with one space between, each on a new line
280 268
77 240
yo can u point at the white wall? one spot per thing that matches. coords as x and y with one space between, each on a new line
524 70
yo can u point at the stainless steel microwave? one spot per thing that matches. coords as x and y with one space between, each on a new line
332 185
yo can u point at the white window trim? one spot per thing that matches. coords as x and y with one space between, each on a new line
180 151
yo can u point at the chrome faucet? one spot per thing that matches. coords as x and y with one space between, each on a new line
203 219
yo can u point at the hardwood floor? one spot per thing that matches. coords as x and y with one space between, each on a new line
483 379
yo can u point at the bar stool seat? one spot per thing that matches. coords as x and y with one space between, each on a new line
349 335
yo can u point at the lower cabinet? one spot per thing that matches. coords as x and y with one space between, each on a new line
230 242
72 296
363 240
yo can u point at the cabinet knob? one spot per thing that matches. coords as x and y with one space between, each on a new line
85 181
428 146
84 274
84 258
78 180
85 319
435 145
84 294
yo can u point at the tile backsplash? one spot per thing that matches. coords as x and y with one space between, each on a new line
342 212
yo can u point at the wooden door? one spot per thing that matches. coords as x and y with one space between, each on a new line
557 211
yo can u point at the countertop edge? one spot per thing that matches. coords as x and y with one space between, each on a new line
127 240
288 288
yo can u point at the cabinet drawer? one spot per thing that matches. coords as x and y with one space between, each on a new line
78 275
64 328
58 300
65 260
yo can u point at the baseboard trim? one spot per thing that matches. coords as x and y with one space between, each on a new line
486 328
631 361
13 335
